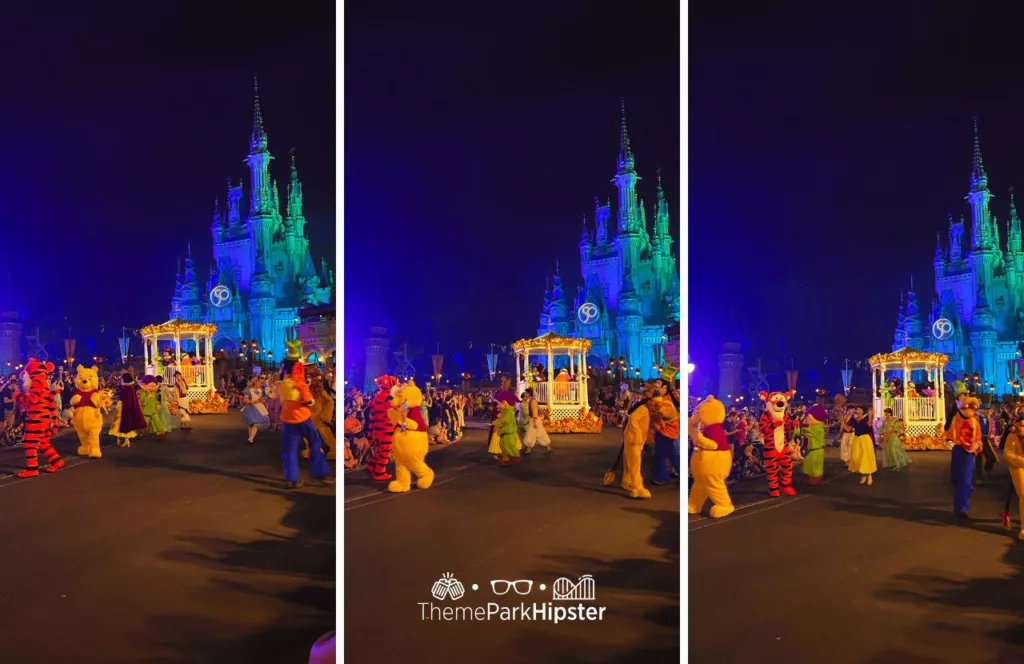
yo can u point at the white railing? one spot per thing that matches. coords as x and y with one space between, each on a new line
567 393
197 376
911 409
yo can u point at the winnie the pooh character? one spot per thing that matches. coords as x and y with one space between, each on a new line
711 462
964 434
89 403
151 407
410 444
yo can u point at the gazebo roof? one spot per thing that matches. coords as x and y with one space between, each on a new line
908 355
552 341
179 326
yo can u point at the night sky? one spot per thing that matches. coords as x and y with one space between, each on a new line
120 129
475 143
827 145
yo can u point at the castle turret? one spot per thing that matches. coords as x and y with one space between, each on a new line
261 305
979 197
938 261
899 339
983 336
234 205
912 323
176 298
630 321
191 305
586 247
217 228
558 309
545 313
259 159
602 213
628 242
956 239
1013 239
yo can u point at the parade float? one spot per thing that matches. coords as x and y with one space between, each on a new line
562 390
923 415
197 337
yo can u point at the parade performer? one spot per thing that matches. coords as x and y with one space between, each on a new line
164 410
862 450
254 412
151 408
775 423
664 408
846 436
1013 452
183 401
535 431
410 443
814 430
964 434
128 419
321 413
381 429
562 384
711 462
89 403
273 401
635 435
987 459
296 400
37 401
894 456
505 429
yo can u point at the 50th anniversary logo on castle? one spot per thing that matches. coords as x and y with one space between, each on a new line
449 591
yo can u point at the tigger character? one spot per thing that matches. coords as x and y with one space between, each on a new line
775 425
89 403
381 429
39 411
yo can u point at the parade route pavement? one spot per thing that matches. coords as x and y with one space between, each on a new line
852 574
542 520
187 549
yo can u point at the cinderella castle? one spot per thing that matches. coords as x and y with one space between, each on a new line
977 317
262 271
628 302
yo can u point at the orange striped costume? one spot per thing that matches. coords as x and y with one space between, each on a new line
40 413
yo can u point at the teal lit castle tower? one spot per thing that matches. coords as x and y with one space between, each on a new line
628 301
979 290
262 271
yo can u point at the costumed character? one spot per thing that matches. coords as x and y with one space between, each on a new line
911 390
814 430
987 458
846 436
964 434
1013 452
535 431
128 419
711 462
322 412
296 401
410 443
562 384
254 412
89 403
894 456
506 433
862 449
381 429
774 424
273 401
183 401
353 427
162 401
151 408
795 453
664 407
37 400
635 435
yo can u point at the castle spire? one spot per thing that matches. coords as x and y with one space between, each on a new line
1013 203
258 142
625 151
294 191
979 178
938 245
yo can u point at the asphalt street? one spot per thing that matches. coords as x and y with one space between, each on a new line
546 519
187 549
846 573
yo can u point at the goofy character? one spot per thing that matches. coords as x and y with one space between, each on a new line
964 435
775 426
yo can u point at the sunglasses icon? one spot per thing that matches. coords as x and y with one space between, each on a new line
522 586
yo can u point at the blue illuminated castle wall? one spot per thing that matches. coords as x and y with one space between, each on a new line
260 257
979 287
628 271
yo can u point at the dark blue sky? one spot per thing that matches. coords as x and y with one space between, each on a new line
475 141
120 128
827 145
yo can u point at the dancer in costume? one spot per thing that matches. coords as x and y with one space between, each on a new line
862 450
894 456
381 429
89 403
321 414
814 431
711 462
987 459
295 421
254 412
664 407
1013 452
636 434
151 408
183 401
410 443
163 410
273 401
846 436
35 382
535 431
128 418
964 434
775 423
506 430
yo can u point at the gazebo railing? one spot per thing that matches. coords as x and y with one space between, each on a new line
197 376
567 393
910 409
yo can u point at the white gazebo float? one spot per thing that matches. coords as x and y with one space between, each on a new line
563 399
923 416
199 375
